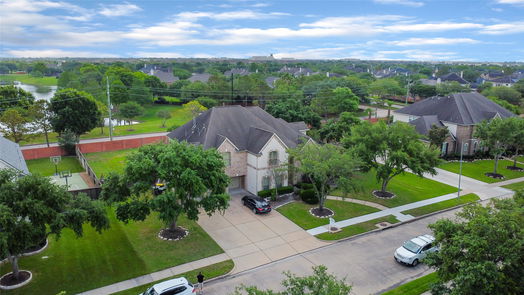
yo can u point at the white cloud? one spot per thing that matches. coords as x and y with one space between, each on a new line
260 5
119 9
157 54
503 28
401 2
56 53
229 15
433 41
511 2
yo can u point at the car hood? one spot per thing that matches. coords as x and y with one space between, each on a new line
404 252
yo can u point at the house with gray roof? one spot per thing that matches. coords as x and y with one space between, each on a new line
11 156
204 77
459 112
252 142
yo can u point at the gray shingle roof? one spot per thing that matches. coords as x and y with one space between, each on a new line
423 124
453 77
248 128
458 108
200 77
12 156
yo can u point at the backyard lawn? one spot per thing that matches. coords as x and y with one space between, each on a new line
477 169
358 228
28 79
407 187
122 252
211 271
149 123
298 212
515 186
442 205
104 162
45 167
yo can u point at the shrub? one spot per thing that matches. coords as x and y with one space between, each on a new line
304 185
284 190
172 127
309 196
265 193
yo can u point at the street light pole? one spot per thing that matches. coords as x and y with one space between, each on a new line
464 146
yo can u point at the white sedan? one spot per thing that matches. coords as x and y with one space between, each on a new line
416 249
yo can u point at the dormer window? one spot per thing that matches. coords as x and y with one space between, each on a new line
273 158
227 158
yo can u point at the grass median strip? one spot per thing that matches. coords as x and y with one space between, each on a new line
442 205
210 271
357 228
45 167
298 212
515 186
415 287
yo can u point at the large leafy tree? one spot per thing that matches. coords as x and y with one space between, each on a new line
130 110
505 93
74 110
391 150
385 88
325 165
32 208
335 129
293 110
194 179
496 136
447 88
15 124
437 135
481 252
40 113
517 137
319 283
11 96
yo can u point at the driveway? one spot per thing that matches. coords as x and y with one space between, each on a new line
253 240
367 262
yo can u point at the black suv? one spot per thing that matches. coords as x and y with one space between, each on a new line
256 204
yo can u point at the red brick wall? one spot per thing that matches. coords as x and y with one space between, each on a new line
105 146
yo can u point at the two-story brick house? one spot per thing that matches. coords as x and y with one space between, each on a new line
460 112
252 142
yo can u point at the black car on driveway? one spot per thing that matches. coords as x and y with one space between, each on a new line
256 204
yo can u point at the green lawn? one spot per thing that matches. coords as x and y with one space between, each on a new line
45 167
477 169
298 212
104 162
515 186
520 159
407 187
442 205
415 287
148 123
357 228
120 253
28 79
211 271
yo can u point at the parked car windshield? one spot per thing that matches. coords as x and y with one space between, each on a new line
411 247
262 203
150 291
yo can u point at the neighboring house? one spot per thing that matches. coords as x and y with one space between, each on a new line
270 81
236 71
252 142
506 81
430 82
297 72
165 76
453 77
460 112
11 156
200 77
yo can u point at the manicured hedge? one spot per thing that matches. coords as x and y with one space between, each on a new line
304 185
309 196
280 191
285 190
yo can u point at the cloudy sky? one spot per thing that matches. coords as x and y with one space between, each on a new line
473 30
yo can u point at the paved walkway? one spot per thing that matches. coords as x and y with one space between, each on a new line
101 139
369 204
159 275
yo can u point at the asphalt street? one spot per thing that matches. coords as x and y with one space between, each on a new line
366 262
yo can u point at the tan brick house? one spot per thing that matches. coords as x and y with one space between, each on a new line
460 112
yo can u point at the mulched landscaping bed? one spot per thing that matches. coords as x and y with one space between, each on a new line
514 168
9 280
173 235
324 213
383 195
494 175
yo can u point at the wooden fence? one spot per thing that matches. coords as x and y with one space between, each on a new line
83 161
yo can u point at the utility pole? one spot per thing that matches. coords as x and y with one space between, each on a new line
407 92
109 108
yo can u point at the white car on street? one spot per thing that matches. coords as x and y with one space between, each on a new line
416 249
178 286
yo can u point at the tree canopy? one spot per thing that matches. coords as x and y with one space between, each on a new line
391 150
437 135
293 110
335 129
74 110
483 251
496 136
11 96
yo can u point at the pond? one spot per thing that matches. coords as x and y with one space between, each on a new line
39 92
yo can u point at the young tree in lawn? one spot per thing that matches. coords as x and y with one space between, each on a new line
32 208
164 115
495 135
74 110
391 150
15 124
517 137
130 110
481 252
194 107
437 135
194 179
40 113
325 165
319 283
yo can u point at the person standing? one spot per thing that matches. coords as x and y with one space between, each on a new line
200 287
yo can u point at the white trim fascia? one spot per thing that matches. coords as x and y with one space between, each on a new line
225 138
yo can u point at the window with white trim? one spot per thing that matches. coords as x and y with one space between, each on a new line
265 182
273 158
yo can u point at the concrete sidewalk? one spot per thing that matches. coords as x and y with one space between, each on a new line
159 275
